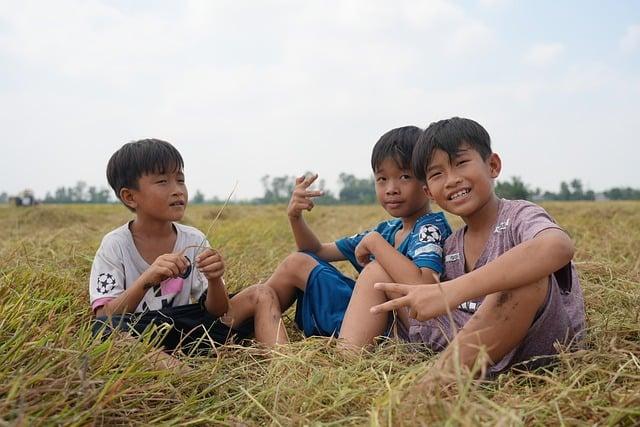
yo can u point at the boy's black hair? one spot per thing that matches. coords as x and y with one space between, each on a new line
397 144
448 135
138 158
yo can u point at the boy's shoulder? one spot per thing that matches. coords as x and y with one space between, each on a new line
116 236
189 230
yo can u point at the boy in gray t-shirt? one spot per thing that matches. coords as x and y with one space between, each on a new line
153 271
510 287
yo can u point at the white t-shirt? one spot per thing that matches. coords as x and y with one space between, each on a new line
118 264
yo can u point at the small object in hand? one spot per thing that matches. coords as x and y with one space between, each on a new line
188 270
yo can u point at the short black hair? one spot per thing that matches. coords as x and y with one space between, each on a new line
396 144
138 158
448 135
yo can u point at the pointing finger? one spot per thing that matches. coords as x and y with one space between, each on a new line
390 305
399 288
300 179
313 193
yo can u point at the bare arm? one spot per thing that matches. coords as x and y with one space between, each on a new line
526 263
165 266
399 267
305 238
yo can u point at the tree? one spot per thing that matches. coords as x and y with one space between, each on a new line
356 190
198 198
514 190
4 197
620 193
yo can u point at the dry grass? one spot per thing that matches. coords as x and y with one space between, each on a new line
53 372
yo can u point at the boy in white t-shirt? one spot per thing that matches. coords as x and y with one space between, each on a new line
154 271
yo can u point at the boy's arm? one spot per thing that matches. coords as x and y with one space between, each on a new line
399 267
306 240
526 263
165 266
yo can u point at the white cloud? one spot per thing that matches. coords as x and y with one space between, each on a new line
631 39
493 3
543 54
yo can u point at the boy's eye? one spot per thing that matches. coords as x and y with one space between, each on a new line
161 181
405 177
380 178
434 175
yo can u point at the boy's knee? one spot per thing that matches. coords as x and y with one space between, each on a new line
299 264
263 294
374 273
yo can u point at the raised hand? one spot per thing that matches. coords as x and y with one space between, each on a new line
302 197
164 267
424 301
210 264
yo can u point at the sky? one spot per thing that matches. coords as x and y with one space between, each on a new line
246 89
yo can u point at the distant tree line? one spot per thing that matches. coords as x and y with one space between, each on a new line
80 193
574 190
353 190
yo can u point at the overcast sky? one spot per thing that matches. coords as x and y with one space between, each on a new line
245 89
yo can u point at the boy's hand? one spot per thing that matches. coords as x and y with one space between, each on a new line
365 248
165 267
424 301
301 198
210 264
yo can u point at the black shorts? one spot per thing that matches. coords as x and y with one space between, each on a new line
192 327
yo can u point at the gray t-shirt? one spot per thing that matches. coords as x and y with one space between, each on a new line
562 317
118 264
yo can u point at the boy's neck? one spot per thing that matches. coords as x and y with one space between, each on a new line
147 227
410 221
484 218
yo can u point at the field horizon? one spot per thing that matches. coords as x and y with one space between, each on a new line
54 372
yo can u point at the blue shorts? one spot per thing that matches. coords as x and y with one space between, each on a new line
321 308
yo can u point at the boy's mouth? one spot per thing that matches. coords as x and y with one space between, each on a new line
459 194
177 203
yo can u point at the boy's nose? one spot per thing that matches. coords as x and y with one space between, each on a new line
392 189
453 180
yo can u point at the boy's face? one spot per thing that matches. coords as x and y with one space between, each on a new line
399 192
159 196
463 184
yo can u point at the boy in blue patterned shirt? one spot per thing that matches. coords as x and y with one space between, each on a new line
408 248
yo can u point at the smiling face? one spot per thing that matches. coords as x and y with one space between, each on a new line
160 196
399 192
463 184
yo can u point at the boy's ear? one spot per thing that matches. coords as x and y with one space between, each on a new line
128 198
495 165
427 192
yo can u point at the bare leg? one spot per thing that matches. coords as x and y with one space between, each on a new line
267 301
260 302
360 327
292 274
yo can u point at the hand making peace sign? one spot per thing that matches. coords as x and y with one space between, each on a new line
301 198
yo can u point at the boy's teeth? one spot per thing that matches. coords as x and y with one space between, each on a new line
459 194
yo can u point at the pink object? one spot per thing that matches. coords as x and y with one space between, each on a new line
100 302
171 286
